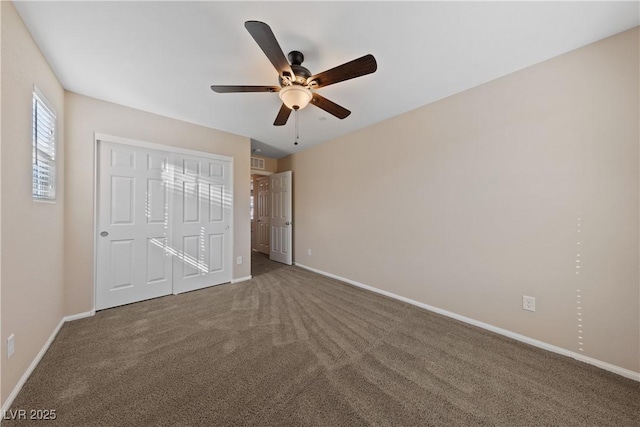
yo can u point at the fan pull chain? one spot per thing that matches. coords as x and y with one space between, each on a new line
297 130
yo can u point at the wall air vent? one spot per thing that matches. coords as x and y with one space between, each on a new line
257 163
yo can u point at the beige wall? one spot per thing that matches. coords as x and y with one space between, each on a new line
469 203
32 232
84 116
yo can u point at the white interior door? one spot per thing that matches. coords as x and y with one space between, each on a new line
132 225
201 222
262 225
281 218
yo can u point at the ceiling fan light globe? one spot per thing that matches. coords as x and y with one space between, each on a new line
295 97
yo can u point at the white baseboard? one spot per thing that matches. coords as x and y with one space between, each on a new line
536 343
38 358
79 316
241 279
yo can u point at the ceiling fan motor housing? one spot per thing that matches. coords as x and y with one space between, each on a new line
301 74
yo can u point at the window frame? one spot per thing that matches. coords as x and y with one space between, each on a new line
40 151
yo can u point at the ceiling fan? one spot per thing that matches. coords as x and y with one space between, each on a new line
297 84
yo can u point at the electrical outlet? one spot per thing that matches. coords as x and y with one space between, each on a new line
11 345
309 252
528 303
239 260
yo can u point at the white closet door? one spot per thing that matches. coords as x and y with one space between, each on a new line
201 224
132 234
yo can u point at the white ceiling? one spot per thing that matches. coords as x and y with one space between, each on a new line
163 56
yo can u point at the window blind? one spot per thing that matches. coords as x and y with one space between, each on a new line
44 149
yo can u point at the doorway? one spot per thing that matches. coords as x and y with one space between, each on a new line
272 219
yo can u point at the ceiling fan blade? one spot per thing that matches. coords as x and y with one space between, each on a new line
330 107
283 116
350 70
263 35
231 89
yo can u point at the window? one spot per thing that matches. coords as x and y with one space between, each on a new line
44 148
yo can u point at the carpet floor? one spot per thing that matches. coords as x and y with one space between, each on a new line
293 348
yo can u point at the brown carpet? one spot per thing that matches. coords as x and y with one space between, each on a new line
293 348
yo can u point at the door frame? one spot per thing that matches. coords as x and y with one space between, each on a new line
97 137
